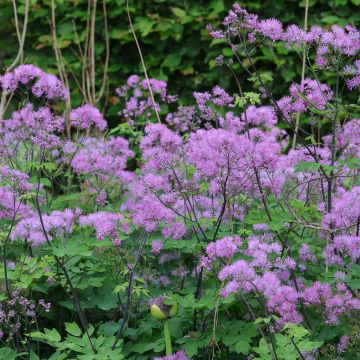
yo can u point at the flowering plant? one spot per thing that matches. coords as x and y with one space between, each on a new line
242 210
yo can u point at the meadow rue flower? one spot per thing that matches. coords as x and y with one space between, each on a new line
294 35
85 116
343 343
179 355
331 44
148 212
232 122
11 265
206 100
174 231
183 119
314 94
224 248
56 224
260 116
271 28
216 34
44 84
345 210
132 80
138 103
156 246
16 180
354 72
260 227
101 198
306 254
41 126
106 224
49 86
17 312
104 158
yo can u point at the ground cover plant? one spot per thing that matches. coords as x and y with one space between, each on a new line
227 228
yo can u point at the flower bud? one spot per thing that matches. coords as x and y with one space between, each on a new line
160 310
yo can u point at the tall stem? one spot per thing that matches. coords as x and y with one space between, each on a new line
167 336
142 62
302 72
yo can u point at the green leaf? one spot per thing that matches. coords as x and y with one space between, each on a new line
191 347
33 356
309 345
58 356
242 347
118 34
144 25
354 284
46 182
171 61
7 353
49 166
180 13
73 328
306 165
48 335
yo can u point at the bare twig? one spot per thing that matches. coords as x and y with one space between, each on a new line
107 56
20 55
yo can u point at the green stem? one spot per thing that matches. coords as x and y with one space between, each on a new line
167 336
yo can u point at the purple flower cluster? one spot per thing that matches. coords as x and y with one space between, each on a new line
224 248
137 99
105 159
105 224
354 72
43 84
156 246
40 126
309 93
87 115
183 119
180 355
10 207
260 116
16 180
58 223
271 279
16 310
206 101
345 41
337 303
330 44
343 343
